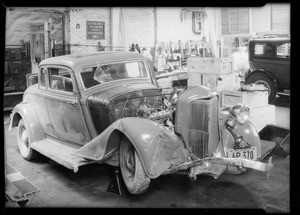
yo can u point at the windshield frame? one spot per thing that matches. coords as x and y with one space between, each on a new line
114 81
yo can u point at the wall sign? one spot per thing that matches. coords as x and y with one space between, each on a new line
95 30
37 28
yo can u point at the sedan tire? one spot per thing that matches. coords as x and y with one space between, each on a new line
133 173
23 138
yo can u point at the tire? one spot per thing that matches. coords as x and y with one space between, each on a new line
133 173
23 139
266 81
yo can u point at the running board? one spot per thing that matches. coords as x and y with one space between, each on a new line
283 94
266 148
61 153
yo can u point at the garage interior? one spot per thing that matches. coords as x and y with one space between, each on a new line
202 46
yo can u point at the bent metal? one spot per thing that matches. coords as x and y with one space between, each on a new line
107 107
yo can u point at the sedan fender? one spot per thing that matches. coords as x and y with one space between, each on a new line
24 111
157 147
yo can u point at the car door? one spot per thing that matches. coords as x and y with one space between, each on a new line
64 108
262 56
283 63
39 103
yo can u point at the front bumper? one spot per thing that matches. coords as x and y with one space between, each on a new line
215 166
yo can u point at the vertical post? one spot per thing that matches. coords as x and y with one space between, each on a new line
271 18
63 31
155 26
111 29
47 44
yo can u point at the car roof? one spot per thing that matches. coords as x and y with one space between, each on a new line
76 61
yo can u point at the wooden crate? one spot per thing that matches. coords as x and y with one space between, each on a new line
261 116
210 65
215 81
248 98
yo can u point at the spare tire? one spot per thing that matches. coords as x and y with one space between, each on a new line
260 78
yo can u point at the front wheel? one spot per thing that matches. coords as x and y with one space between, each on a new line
133 173
24 142
264 80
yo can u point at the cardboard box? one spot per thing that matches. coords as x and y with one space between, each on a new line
250 99
262 116
210 65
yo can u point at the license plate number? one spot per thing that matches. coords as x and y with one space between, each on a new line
249 153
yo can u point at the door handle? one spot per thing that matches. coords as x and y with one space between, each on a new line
75 102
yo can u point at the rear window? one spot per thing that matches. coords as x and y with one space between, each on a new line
92 76
283 50
264 49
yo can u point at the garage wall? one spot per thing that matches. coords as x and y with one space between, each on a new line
18 22
139 26
171 28
78 36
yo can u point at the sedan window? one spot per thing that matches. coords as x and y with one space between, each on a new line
100 74
263 50
60 79
283 50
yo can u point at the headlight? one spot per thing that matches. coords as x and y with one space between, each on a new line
240 113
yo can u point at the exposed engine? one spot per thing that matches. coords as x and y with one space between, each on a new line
160 109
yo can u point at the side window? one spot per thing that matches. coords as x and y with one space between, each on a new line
42 81
283 50
263 50
60 79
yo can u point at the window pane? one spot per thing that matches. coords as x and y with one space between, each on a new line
264 50
234 21
105 73
60 80
283 50
225 21
43 78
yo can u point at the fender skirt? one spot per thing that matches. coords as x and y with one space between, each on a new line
157 147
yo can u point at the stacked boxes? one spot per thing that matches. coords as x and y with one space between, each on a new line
261 113
216 73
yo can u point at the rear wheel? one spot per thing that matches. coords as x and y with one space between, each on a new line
264 80
135 179
23 139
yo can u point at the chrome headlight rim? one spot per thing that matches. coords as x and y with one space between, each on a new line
240 112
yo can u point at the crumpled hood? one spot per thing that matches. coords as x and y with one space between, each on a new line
125 91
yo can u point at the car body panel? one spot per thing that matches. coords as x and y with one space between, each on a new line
157 147
24 110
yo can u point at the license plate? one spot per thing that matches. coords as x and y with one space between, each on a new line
248 153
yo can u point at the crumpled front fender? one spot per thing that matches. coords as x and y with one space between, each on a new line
157 147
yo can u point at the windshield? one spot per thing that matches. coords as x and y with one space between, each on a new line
100 74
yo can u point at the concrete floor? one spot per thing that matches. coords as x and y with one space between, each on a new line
60 187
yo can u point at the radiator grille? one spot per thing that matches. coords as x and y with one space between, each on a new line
203 126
